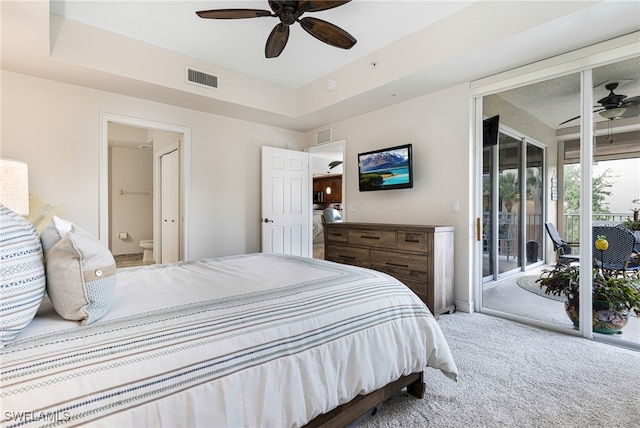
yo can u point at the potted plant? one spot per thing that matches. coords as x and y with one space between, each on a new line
633 223
614 297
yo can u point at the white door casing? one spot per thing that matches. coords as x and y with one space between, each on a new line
286 202
185 179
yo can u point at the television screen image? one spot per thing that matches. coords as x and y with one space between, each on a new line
384 169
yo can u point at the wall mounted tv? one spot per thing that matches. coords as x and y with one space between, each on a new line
385 169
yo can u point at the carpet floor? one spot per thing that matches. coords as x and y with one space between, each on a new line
514 375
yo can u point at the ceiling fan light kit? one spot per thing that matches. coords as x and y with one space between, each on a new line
290 12
613 113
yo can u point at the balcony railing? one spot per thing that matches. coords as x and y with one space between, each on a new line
571 229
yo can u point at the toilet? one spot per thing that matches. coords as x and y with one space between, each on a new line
147 246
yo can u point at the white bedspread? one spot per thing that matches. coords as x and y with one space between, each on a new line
245 341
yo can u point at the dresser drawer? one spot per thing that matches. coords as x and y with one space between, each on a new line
400 265
416 262
373 238
420 288
349 256
337 235
413 241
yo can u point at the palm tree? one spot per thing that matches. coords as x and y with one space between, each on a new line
508 189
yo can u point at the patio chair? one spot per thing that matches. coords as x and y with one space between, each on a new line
619 256
506 238
561 247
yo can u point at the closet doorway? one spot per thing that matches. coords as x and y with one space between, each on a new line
143 190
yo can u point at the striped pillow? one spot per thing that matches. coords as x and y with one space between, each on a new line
22 274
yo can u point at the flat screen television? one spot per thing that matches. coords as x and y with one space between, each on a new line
490 129
384 169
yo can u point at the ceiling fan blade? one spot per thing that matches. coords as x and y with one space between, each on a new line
632 110
633 101
315 6
569 120
232 13
328 33
277 41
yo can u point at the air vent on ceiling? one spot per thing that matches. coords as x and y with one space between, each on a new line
201 78
323 136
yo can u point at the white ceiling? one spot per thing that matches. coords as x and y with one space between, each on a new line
238 44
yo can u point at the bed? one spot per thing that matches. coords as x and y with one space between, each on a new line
250 340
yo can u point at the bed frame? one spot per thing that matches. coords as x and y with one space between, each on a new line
344 414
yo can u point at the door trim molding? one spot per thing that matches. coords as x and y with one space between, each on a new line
185 178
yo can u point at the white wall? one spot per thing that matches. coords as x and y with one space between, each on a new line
132 210
438 126
55 128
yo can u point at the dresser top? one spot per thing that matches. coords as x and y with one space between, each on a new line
389 226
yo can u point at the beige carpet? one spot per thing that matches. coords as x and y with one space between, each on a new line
514 375
529 283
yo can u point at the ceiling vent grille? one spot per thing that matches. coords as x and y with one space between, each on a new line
201 78
323 136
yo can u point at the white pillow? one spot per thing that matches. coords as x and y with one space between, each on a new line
81 277
22 274
54 232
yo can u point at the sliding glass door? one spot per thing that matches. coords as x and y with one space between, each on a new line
534 206
513 205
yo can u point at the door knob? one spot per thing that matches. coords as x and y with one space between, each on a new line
266 220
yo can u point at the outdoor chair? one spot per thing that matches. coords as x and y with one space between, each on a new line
560 246
619 256
506 240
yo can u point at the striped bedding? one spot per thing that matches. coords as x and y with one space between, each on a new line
243 341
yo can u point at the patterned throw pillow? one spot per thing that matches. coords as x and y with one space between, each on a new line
22 274
81 277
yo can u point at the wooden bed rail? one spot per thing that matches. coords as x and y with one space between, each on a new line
343 415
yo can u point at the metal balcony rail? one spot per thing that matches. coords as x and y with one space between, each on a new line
571 229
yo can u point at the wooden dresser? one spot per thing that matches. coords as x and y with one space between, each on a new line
419 256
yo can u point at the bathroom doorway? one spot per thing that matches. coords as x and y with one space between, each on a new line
133 197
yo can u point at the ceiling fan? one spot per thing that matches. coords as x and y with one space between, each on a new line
289 12
615 106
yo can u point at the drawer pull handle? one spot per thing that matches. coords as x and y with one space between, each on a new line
336 234
412 240
369 237
397 264
347 257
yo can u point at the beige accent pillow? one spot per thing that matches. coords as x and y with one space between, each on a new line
54 232
81 277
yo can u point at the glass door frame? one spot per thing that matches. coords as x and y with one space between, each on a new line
493 245
582 61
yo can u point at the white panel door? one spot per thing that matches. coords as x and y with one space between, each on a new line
170 246
286 202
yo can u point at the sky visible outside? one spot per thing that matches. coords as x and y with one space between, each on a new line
625 175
